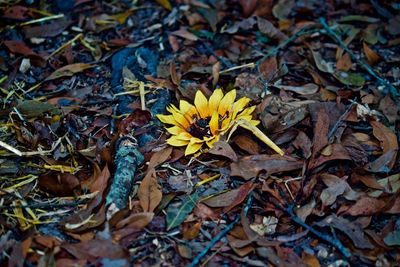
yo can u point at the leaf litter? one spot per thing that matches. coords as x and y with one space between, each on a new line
87 175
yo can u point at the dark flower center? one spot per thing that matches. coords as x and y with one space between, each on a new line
200 127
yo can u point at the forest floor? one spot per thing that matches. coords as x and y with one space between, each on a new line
199 133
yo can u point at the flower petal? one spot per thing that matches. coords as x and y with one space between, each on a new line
175 130
201 103
185 136
239 105
193 146
214 124
175 141
247 111
188 110
226 102
210 142
167 119
215 99
178 117
172 109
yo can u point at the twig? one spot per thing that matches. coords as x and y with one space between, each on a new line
393 91
58 50
58 16
220 235
331 240
249 65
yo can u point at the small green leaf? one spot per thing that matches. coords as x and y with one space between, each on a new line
178 211
350 78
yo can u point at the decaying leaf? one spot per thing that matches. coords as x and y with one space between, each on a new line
149 193
249 166
353 230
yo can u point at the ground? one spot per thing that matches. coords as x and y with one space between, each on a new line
112 153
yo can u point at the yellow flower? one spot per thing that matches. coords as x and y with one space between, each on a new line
205 121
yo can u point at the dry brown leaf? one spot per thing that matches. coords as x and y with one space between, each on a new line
136 220
366 206
222 200
69 70
243 192
344 63
249 166
385 135
159 157
371 56
149 193
101 181
222 148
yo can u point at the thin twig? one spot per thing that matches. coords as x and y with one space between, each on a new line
331 240
393 91
220 235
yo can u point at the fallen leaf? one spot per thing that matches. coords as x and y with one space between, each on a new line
304 211
382 164
249 166
389 109
243 192
203 212
338 153
149 193
248 7
350 78
336 187
96 248
385 135
392 239
366 206
283 8
304 143
101 181
136 220
191 230
60 184
321 129
222 148
269 68
307 89
247 144
267 226
321 64
353 230
17 12
267 28
344 63
177 212
69 70
182 32
47 30
222 200
159 157
371 56
165 4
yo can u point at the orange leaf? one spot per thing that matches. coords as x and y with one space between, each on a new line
372 57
